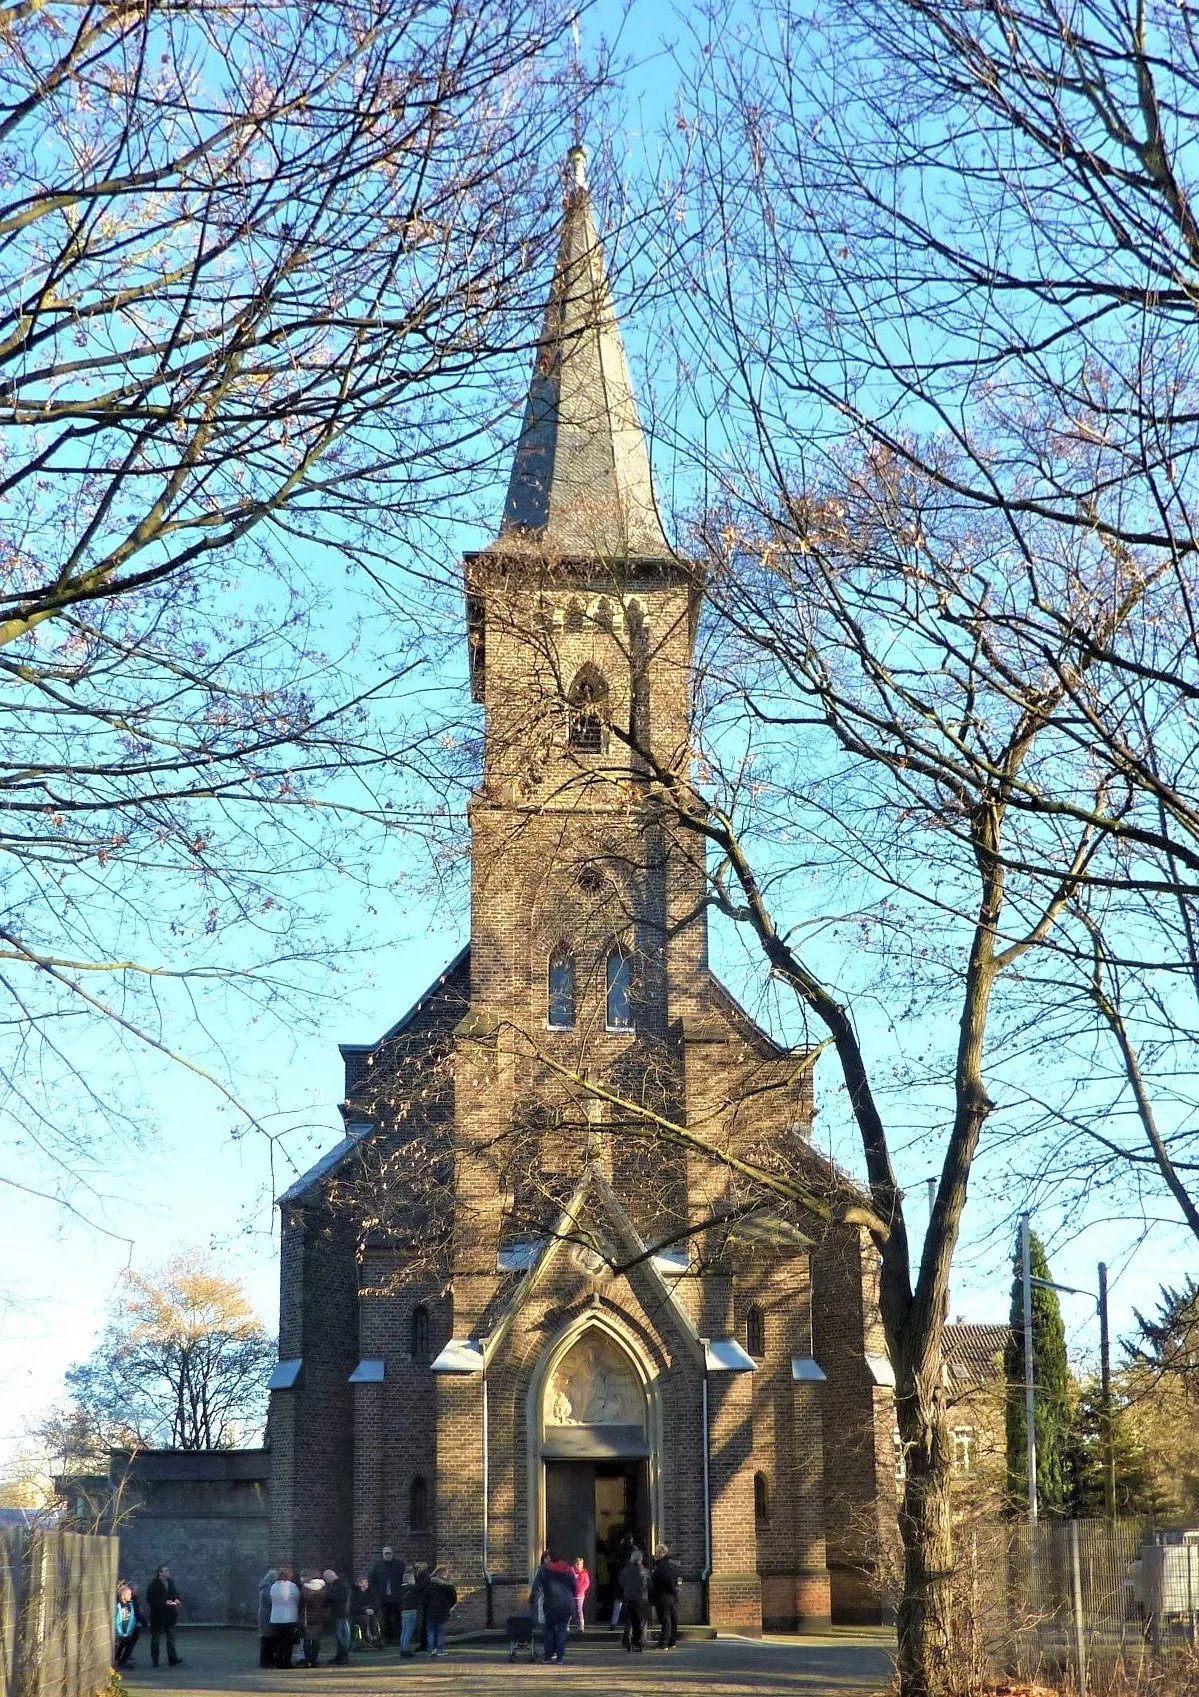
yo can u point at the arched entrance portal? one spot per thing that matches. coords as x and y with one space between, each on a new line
595 1429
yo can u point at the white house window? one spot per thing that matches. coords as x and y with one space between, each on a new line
620 985
963 1449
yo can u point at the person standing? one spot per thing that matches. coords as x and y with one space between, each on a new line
664 1595
125 1630
553 1599
582 1584
440 1598
410 1606
387 1579
162 1601
313 1608
285 1616
634 1597
338 1591
266 1636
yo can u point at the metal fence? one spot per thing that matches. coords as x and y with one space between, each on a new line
1095 1601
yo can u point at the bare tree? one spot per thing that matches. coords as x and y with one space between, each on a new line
182 1364
960 238
261 272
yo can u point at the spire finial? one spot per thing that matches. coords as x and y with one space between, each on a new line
576 77
576 160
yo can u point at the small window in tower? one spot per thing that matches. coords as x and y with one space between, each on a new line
573 621
420 1334
588 712
418 1505
603 615
761 1497
755 1332
620 987
561 1009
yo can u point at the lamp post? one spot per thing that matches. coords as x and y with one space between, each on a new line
1030 1392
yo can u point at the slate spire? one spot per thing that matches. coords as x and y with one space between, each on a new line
581 483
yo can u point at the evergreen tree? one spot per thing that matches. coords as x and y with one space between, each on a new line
1051 1376
1137 1492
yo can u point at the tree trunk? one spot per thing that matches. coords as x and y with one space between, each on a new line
928 1661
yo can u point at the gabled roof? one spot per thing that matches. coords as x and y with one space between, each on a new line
455 975
973 1353
444 977
581 483
593 1197
330 1159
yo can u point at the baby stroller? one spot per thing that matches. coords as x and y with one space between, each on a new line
520 1633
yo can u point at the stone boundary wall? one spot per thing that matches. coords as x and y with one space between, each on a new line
206 1513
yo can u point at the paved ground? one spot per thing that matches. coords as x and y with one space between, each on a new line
855 1661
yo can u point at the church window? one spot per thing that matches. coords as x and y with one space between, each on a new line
573 622
591 880
418 1505
761 1497
588 712
620 985
755 1331
420 1334
603 615
561 1009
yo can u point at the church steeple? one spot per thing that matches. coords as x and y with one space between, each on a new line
581 485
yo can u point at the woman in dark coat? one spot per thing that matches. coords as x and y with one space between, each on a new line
554 1590
440 1599
313 1611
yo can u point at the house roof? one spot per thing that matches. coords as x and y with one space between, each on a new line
581 482
973 1353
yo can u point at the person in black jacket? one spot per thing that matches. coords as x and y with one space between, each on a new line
387 1579
634 1597
664 1595
439 1600
337 1591
162 1603
554 1590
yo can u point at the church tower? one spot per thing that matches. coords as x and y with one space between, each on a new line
525 1302
588 936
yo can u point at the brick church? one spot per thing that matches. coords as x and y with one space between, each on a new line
532 1299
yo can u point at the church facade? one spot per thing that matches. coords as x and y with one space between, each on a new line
533 1299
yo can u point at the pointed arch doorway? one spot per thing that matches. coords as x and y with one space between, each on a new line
593 1450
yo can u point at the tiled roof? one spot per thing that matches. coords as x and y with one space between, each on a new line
974 1353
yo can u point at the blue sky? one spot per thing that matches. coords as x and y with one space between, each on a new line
193 1183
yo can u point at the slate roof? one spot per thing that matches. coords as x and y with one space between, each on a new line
581 482
974 1353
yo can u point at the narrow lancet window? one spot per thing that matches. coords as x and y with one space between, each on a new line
620 984
755 1332
561 991
420 1334
588 712
418 1505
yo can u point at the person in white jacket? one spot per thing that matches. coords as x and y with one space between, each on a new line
285 1614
